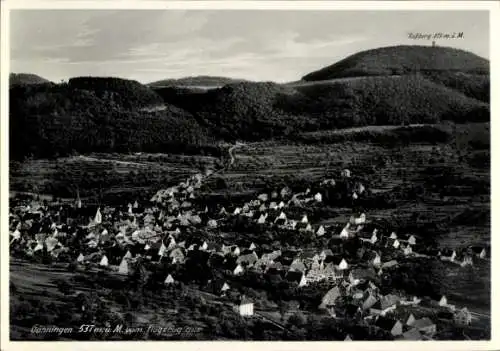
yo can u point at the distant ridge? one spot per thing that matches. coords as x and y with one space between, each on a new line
403 59
196 82
16 79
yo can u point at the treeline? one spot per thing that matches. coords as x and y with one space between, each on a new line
116 115
123 92
253 111
399 136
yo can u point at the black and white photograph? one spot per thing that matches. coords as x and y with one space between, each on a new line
254 174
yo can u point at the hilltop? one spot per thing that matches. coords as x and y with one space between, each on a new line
16 79
196 81
124 92
452 85
403 59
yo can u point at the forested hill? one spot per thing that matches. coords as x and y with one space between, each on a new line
111 114
196 81
123 92
16 79
88 115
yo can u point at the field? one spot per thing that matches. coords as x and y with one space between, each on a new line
115 175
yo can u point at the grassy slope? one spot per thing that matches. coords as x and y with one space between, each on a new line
402 59
197 81
392 100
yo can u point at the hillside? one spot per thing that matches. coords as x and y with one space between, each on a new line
253 111
196 81
47 121
237 111
385 100
403 59
16 79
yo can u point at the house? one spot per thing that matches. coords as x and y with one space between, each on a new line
340 263
263 197
270 257
388 302
369 302
244 307
308 228
330 182
273 206
345 173
238 270
462 317
390 264
443 302
297 265
325 253
396 243
285 192
248 259
281 204
479 251
425 325
330 298
348 338
412 334
252 246
395 327
177 255
320 231
237 211
104 261
467 261
212 223
357 221
296 277
304 219
98 216
448 255
318 197
407 250
80 258
411 319
123 268
204 246
262 208
412 240
345 233
262 219
281 216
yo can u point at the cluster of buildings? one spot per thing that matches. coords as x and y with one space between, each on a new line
173 227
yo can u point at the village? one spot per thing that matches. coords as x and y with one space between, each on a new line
260 243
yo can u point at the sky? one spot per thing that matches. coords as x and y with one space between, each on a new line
259 45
